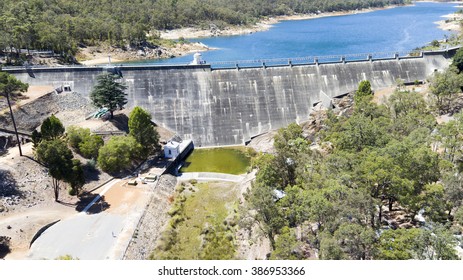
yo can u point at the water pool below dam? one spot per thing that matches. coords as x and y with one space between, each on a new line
217 107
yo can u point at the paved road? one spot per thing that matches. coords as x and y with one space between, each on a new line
87 237
96 236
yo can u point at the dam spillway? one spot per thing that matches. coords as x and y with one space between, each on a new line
229 106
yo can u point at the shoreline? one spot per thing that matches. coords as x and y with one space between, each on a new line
263 25
451 22
118 56
100 55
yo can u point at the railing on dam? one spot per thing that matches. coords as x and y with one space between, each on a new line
316 59
272 62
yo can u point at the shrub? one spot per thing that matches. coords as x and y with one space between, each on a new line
84 142
90 146
119 154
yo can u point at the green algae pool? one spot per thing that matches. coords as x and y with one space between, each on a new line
233 160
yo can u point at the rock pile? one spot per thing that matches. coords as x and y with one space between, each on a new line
342 107
73 106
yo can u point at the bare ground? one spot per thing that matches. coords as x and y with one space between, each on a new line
104 54
31 205
264 143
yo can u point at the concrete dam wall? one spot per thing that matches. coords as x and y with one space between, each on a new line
229 106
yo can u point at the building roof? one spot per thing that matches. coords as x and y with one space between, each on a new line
172 145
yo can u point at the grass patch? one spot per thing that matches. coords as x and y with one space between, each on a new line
202 224
233 160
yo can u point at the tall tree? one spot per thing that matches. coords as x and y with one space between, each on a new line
9 87
51 128
141 128
363 91
56 155
109 93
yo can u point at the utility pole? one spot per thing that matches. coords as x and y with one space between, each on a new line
14 123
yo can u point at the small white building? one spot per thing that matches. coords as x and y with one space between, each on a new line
171 149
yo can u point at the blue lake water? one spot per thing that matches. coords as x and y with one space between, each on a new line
399 29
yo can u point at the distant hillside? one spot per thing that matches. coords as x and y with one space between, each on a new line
61 25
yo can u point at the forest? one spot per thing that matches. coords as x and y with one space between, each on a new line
63 25
381 181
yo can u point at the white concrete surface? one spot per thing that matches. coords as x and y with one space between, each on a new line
210 176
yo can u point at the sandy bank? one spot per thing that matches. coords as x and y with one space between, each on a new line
100 55
99 60
451 22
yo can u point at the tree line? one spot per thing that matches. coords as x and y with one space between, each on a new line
381 182
63 25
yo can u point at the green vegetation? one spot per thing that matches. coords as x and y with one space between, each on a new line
84 142
361 172
458 60
11 87
118 154
220 160
202 224
142 129
51 128
445 87
63 25
364 92
59 159
51 149
66 258
109 93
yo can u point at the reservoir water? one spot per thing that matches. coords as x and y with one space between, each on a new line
399 29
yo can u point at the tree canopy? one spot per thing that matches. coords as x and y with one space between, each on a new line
84 142
58 158
109 93
142 129
10 86
51 128
342 191
51 149
118 154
